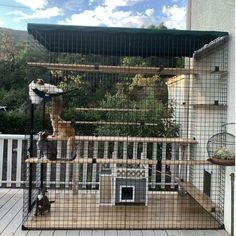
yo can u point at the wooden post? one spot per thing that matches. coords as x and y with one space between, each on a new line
163 166
30 166
43 128
18 165
85 165
135 150
94 169
105 155
58 165
9 162
1 160
48 177
144 152
173 167
154 166
75 175
69 153
232 203
125 150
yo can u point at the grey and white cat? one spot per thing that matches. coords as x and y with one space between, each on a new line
43 204
48 149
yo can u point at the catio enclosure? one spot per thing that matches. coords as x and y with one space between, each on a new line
138 108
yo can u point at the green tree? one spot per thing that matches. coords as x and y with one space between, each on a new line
7 48
161 26
156 120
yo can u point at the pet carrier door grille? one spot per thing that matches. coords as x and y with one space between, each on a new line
126 118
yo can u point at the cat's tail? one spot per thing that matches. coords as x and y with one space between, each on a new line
68 159
72 158
52 201
71 150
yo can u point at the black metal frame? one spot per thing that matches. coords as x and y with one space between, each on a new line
175 162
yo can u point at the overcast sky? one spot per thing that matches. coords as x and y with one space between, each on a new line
16 14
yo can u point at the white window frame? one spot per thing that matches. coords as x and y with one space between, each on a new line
133 190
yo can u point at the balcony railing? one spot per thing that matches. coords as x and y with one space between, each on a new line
165 158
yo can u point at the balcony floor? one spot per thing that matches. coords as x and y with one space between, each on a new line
11 218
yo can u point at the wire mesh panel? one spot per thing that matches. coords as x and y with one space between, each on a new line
121 119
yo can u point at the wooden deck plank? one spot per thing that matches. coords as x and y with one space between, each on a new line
72 233
173 233
148 233
192 233
98 233
12 227
7 196
20 232
203 233
217 233
4 191
115 233
160 232
123 233
220 233
9 203
33 233
85 233
110 233
136 233
10 215
46 233
59 232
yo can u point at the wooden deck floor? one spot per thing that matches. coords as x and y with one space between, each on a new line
82 211
11 218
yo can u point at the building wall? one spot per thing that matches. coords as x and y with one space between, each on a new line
218 15
194 98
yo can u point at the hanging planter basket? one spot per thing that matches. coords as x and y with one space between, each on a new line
221 162
221 149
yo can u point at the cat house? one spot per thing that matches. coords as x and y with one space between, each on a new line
124 185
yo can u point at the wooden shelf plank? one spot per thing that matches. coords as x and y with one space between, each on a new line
199 196
110 109
35 160
180 140
119 69
209 105
186 162
117 161
110 123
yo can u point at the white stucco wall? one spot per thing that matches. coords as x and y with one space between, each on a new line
218 15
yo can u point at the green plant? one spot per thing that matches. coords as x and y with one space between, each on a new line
224 153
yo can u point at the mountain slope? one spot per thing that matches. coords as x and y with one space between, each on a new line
19 36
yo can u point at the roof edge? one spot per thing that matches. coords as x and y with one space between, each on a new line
210 47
